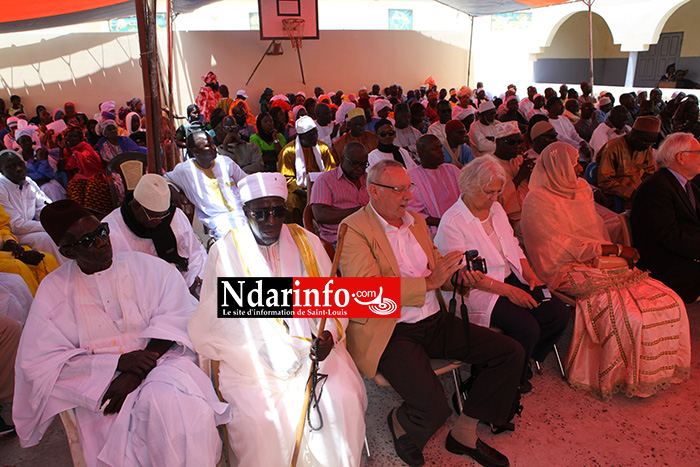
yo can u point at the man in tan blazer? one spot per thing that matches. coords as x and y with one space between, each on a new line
383 239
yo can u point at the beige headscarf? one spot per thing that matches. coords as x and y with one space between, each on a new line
559 220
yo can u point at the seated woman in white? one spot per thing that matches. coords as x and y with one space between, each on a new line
504 298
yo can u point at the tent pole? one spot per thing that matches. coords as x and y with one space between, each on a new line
469 63
169 18
146 19
589 3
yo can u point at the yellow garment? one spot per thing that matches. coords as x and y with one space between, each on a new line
305 250
32 275
621 170
286 166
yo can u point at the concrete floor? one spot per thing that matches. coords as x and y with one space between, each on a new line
559 427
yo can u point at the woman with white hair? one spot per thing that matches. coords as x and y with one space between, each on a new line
631 331
507 298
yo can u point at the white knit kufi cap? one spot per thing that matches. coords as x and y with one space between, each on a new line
262 185
486 106
304 125
507 128
152 193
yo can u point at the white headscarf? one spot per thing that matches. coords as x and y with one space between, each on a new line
304 125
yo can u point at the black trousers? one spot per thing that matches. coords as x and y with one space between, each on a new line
537 330
405 363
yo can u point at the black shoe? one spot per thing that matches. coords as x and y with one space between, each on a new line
525 387
405 447
6 430
483 453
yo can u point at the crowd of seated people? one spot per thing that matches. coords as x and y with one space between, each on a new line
415 179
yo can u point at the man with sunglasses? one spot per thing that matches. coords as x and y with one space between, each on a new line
385 240
627 160
107 336
149 223
265 362
386 149
340 192
209 180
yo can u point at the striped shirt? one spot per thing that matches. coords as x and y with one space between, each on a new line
334 189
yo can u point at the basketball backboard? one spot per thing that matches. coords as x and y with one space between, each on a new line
272 12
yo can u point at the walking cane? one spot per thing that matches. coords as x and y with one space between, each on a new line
321 326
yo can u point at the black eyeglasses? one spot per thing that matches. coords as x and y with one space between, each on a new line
355 164
88 241
384 134
398 190
262 214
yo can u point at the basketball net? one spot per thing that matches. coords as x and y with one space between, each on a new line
295 30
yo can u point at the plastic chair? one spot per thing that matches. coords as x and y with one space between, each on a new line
591 173
130 166
310 224
439 366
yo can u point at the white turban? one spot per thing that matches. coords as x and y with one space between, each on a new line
304 124
152 193
460 113
380 104
262 185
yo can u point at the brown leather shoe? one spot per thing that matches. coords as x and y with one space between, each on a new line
483 453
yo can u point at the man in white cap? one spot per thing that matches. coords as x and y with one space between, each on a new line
264 361
482 134
241 94
107 337
508 151
149 223
298 159
381 108
209 182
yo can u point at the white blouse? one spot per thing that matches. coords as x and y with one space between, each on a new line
460 230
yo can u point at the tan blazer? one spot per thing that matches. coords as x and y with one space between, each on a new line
366 252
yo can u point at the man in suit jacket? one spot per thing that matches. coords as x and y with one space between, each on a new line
666 220
385 240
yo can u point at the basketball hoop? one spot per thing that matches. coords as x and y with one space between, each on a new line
295 30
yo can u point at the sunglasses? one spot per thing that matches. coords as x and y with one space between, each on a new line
355 164
154 218
88 241
513 142
262 214
384 134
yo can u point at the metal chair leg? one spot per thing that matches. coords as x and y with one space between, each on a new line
458 380
561 367
367 447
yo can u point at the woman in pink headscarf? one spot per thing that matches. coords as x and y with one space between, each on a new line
631 331
208 95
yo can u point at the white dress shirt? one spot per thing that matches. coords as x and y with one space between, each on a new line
413 262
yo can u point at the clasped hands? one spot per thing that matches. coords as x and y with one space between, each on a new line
30 257
134 367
